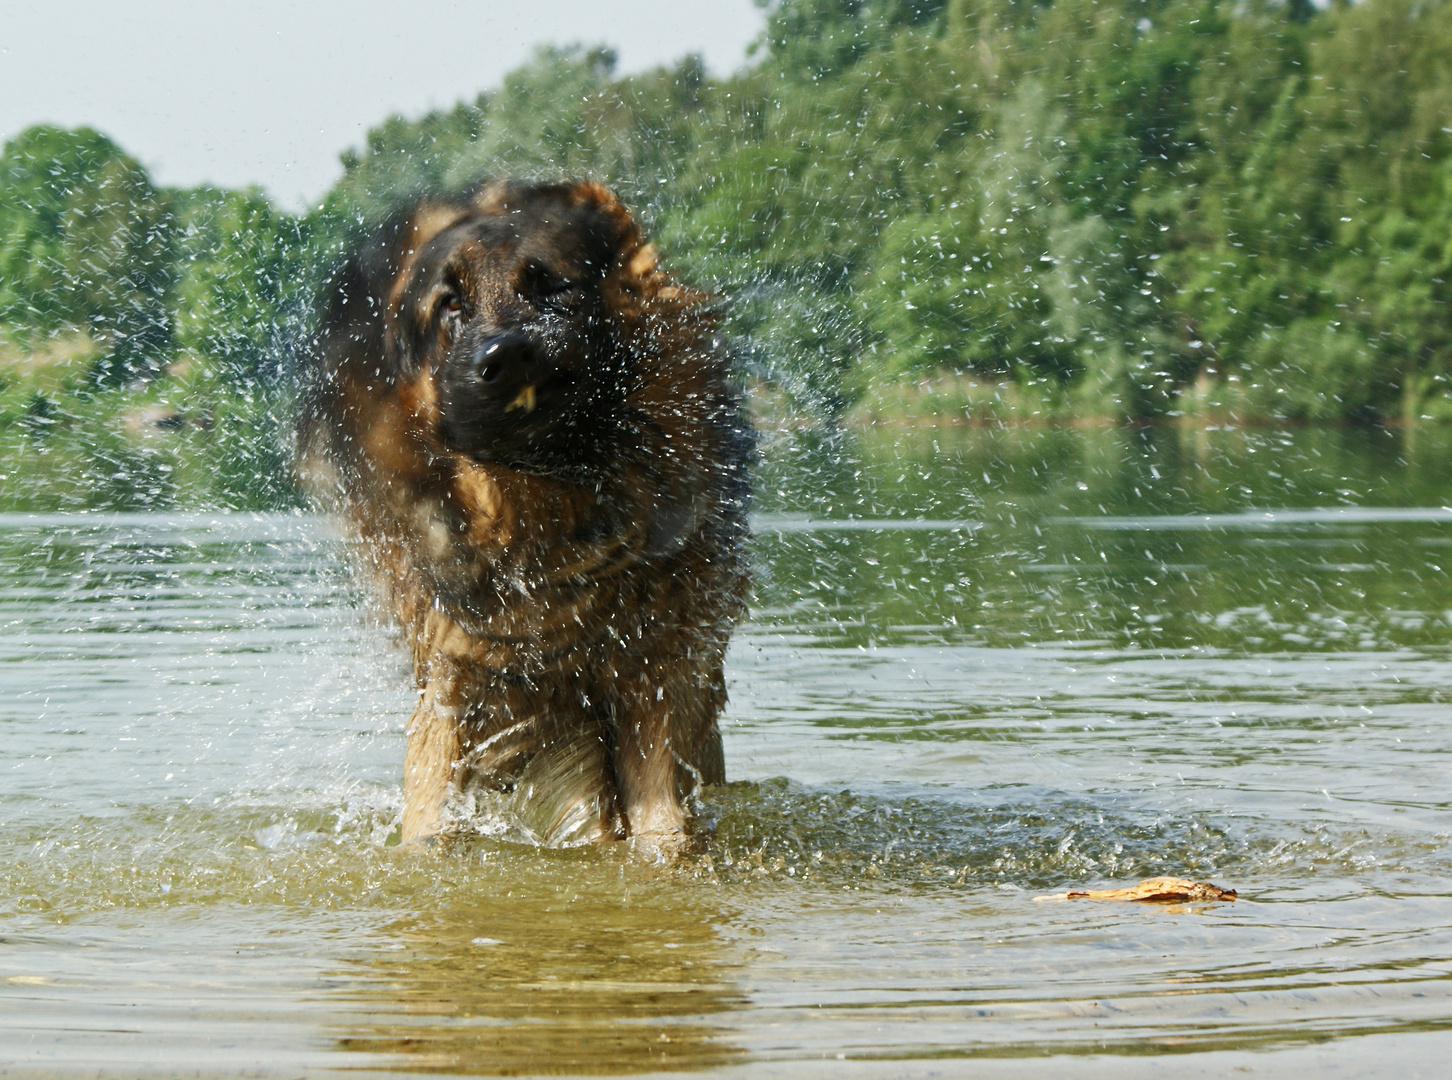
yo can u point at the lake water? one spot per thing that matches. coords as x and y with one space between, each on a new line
982 665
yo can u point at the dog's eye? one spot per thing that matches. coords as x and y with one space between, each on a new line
451 315
541 285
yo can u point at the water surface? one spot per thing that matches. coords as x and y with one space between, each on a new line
982 665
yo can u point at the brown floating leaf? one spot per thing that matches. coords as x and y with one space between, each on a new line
1158 890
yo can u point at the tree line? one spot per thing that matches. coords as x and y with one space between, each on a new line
1126 208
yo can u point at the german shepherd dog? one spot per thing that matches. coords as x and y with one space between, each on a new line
531 428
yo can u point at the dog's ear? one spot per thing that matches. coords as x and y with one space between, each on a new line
633 271
353 301
348 345
361 300
620 240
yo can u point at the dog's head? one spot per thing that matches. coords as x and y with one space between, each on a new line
513 309
507 307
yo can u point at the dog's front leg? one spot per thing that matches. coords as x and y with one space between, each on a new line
668 744
433 755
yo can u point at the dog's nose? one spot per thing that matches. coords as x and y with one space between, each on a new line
508 371
503 356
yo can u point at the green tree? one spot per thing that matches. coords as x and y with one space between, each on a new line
86 240
242 283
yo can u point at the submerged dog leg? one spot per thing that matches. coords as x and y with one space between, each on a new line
646 771
667 745
429 763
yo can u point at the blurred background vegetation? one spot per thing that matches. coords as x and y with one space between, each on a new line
1036 210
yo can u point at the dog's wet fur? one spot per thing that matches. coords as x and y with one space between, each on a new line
531 428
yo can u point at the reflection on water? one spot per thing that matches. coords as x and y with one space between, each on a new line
982 665
570 963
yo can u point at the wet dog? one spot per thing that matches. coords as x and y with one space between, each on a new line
531 428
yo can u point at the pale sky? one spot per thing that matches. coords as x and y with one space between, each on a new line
271 92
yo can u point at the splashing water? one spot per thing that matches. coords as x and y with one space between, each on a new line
953 695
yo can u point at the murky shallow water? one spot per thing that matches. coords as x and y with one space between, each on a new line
982 666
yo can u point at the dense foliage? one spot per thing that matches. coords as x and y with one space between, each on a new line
1130 208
